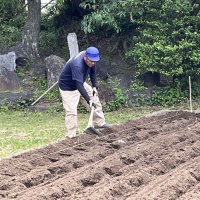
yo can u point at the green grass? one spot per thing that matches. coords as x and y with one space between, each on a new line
21 131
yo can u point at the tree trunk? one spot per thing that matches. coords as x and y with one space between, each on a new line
32 29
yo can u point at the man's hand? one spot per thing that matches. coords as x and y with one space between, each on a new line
92 104
95 91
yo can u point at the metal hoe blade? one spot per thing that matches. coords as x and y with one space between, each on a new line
90 129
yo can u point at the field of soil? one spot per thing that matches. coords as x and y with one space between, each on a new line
151 158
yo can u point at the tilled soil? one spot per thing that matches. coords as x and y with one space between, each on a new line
151 158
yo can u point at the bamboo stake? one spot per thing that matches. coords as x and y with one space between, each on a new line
190 89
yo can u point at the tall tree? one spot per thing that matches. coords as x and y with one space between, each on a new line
165 33
32 29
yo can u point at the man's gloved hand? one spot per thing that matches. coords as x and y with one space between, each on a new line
95 91
91 102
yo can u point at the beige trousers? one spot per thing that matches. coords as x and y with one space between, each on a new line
70 101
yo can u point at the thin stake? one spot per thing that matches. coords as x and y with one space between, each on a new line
190 89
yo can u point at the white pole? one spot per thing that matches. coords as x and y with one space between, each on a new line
190 89
72 44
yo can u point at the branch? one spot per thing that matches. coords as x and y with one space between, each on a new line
46 4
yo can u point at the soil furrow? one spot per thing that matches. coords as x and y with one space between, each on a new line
193 194
154 157
99 174
60 168
170 186
147 168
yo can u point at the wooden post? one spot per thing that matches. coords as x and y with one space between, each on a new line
72 44
190 90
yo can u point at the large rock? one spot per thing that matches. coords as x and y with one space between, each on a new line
10 84
12 98
21 55
118 70
8 61
10 88
9 80
19 51
38 69
54 65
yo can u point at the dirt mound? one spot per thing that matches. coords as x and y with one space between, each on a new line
156 157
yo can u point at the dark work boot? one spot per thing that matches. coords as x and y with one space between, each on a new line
104 126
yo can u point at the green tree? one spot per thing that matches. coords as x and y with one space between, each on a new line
12 19
168 41
163 34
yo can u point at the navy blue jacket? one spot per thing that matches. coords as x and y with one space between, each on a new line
75 73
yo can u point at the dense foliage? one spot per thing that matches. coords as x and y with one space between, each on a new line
165 34
162 35
155 35
12 18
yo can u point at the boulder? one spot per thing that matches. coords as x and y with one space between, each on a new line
38 69
21 55
8 61
12 98
9 80
19 51
54 66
